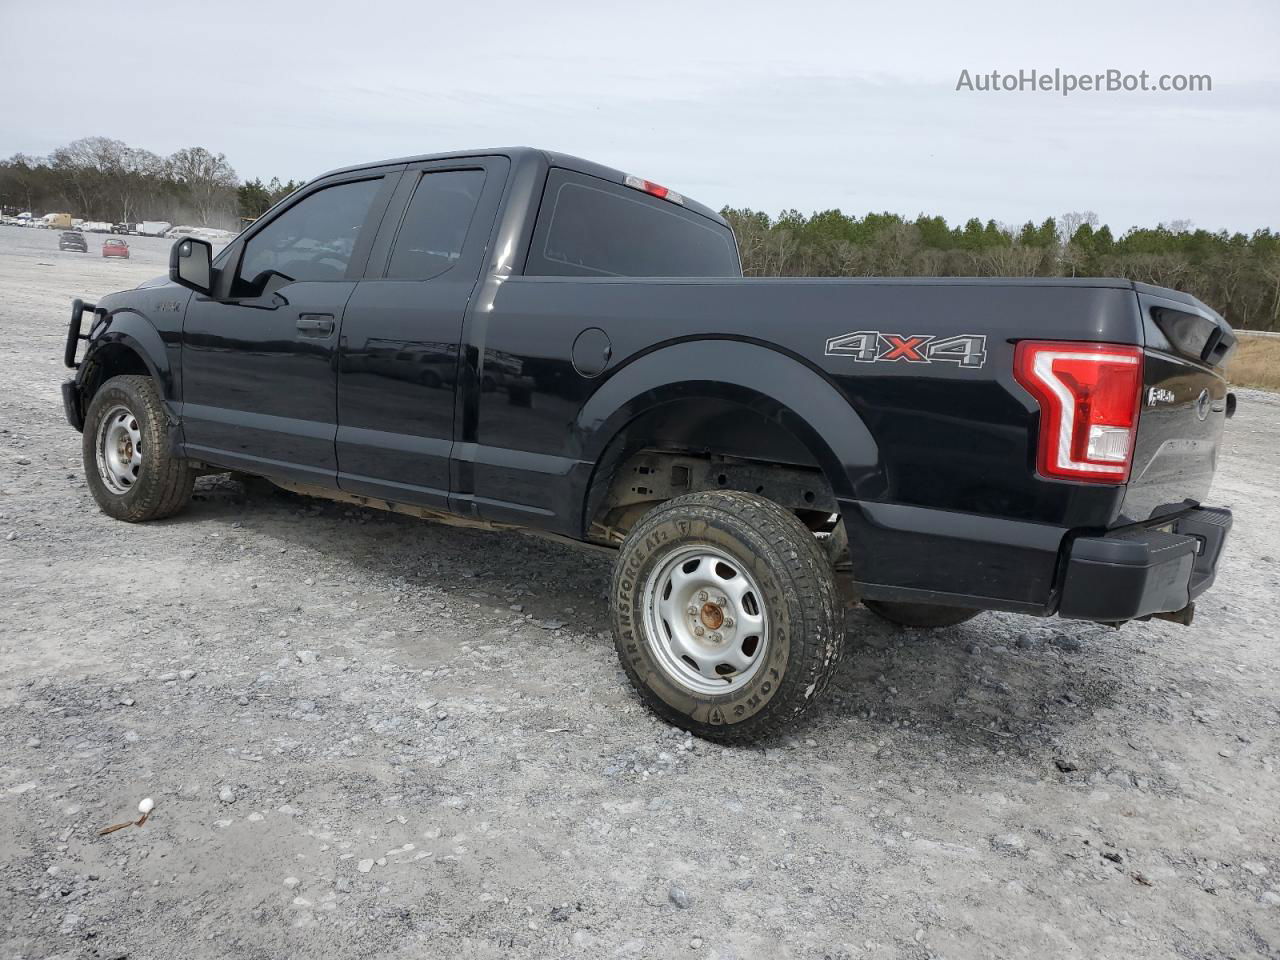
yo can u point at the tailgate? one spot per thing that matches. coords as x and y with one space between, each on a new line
1183 406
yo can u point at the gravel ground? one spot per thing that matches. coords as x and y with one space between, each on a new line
370 736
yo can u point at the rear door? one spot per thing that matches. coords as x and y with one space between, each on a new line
259 379
1183 403
398 354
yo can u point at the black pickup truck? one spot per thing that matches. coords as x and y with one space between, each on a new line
516 338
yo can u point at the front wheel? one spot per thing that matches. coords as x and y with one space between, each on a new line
725 615
130 470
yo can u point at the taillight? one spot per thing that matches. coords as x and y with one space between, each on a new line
1089 396
655 189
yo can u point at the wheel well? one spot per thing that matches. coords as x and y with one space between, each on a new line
691 445
109 360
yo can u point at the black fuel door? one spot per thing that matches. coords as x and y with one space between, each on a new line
592 352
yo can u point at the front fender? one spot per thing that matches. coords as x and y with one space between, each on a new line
773 384
129 328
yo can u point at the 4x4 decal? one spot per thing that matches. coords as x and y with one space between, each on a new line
868 346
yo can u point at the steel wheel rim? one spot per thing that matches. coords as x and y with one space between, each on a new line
119 449
705 620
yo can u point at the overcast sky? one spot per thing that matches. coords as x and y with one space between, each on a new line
802 104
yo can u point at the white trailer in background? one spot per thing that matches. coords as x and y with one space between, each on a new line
154 228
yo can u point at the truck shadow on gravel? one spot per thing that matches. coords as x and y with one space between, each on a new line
999 682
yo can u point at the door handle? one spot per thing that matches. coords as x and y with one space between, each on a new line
318 324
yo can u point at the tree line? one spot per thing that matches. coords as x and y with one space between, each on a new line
97 178
1236 274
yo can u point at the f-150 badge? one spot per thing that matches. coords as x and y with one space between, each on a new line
870 346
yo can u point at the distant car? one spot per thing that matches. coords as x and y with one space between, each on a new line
73 240
115 248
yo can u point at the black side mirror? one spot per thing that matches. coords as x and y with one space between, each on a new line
191 264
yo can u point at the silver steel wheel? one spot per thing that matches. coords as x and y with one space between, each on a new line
119 448
705 620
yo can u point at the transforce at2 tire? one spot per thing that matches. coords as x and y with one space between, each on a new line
725 615
128 465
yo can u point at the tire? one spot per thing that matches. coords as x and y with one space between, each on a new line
919 614
136 477
759 573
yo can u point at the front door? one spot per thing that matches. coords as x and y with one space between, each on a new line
259 383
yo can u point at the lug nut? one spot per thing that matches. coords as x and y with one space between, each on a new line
722 601
692 611
728 623
698 631
702 596
715 637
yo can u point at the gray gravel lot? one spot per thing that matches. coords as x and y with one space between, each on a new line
372 736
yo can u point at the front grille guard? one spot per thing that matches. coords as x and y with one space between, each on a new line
74 334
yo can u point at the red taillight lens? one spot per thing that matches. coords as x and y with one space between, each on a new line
1088 395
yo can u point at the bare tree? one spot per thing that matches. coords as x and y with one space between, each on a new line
82 168
1271 270
207 182
1015 261
1072 221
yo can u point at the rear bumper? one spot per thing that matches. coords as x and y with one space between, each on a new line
1140 572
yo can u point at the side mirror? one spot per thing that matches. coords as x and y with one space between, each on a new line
191 264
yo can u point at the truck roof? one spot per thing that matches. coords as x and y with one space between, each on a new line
550 157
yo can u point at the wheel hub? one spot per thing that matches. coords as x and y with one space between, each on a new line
119 449
712 615
705 620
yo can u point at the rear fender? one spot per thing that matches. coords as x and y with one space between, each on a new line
771 384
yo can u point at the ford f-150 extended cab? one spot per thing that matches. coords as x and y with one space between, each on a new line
524 339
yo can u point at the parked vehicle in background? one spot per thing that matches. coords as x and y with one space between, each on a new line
72 240
96 226
57 221
124 228
523 339
153 228
115 248
213 235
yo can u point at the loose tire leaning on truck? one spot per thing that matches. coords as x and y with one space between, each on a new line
725 615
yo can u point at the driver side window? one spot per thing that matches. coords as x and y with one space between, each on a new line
312 240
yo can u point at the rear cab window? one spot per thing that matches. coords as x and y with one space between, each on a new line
589 227
434 231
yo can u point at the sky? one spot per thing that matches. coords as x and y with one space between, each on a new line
805 104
